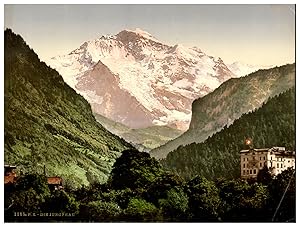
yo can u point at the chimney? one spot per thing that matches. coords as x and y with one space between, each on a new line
45 170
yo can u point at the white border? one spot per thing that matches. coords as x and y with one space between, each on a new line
139 2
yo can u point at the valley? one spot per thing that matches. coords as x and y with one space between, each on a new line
134 79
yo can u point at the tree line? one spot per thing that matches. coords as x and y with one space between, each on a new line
140 190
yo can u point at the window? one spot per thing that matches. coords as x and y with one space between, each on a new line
244 165
247 159
271 157
250 171
244 159
260 165
253 158
264 158
288 161
247 171
254 171
260 158
277 165
281 165
244 172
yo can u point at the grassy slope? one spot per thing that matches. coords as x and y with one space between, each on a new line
143 138
48 123
228 102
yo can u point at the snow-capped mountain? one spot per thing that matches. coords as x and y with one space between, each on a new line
242 69
139 81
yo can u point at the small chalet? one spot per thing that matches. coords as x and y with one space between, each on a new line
9 174
10 177
55 183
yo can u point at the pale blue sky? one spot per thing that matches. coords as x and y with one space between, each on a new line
254 34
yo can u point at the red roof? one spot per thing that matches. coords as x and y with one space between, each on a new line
54 180
9 179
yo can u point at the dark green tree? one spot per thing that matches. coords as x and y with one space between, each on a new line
27 201
61 201
134 169
35 181
287 209
204 200
175 205
29 194
159 188
242 201
264 176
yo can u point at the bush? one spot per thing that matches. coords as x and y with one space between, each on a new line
204 200
175 205
27 201
100 211
140 210
60 201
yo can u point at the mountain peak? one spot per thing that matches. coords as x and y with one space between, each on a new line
141 33
163 79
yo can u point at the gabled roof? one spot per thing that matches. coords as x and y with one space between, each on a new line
54 180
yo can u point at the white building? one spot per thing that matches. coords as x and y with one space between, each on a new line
275 158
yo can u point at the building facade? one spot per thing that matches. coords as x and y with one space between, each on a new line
277 159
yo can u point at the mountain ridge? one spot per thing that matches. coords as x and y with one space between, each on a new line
218 156
228 102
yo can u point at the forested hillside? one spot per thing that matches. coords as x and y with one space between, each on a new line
228 102
48 123
271 125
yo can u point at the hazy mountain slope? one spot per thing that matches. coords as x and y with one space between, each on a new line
144 139
242 69
228 102
47 122
274 124
158 82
